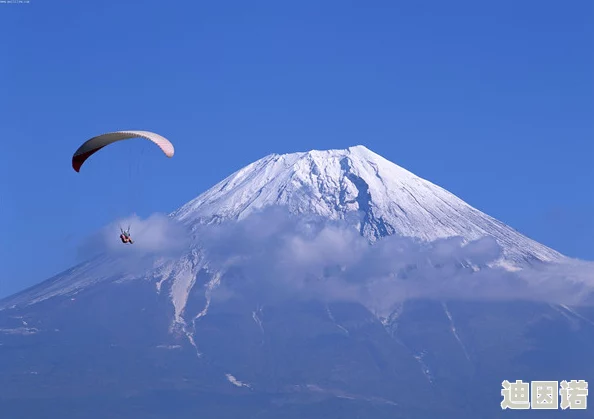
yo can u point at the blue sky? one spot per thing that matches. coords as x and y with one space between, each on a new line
493 102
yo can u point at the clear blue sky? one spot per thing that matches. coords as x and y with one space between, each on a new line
492 100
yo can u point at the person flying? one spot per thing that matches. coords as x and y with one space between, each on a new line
125 236
90 147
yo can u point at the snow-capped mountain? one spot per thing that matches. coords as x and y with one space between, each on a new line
351 184
159 338
336 183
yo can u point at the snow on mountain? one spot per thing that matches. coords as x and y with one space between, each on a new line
336 183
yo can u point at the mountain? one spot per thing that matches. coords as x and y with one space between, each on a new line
185 335
374 195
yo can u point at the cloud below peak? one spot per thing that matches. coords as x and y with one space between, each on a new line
279 255
272 255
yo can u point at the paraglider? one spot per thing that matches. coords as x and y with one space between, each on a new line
90 147
95 144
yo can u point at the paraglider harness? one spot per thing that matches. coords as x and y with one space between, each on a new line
125 236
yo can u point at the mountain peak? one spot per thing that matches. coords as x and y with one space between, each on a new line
322 182
386 199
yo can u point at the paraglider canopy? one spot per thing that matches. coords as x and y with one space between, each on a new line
95 144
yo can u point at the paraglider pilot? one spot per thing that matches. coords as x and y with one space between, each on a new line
125 236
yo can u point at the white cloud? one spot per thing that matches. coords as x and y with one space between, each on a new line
274 255
157 235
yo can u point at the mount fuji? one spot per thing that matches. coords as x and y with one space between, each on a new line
258 315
